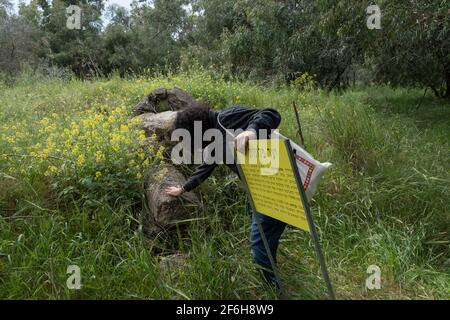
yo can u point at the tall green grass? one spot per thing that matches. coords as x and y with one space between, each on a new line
384 202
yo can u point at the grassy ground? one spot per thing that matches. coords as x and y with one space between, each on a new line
71 180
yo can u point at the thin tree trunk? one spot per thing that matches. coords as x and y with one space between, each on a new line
447 89
436 92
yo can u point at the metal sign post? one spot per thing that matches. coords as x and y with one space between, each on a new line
312 228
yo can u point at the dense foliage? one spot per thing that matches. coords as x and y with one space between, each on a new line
263 40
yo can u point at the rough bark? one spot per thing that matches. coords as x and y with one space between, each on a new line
179 99
162 100
158 123
157 113
166 211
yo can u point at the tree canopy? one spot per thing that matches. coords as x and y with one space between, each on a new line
262 40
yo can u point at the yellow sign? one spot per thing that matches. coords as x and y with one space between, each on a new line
271 182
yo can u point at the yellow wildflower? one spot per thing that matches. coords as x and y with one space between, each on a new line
81 159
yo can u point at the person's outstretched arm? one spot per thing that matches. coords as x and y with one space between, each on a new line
201 174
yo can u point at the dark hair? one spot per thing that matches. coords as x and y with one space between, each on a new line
186 117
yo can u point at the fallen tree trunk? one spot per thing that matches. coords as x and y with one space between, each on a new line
166 211
162 100
158 123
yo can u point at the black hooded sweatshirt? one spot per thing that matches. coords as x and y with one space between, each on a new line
234 118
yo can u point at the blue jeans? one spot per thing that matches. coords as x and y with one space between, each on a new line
272 229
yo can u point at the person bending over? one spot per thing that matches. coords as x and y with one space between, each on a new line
250 121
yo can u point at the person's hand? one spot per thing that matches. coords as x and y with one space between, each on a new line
241 140
174 191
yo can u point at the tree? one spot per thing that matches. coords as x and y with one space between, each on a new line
413 47
118 41
16 37
81 50
156 27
